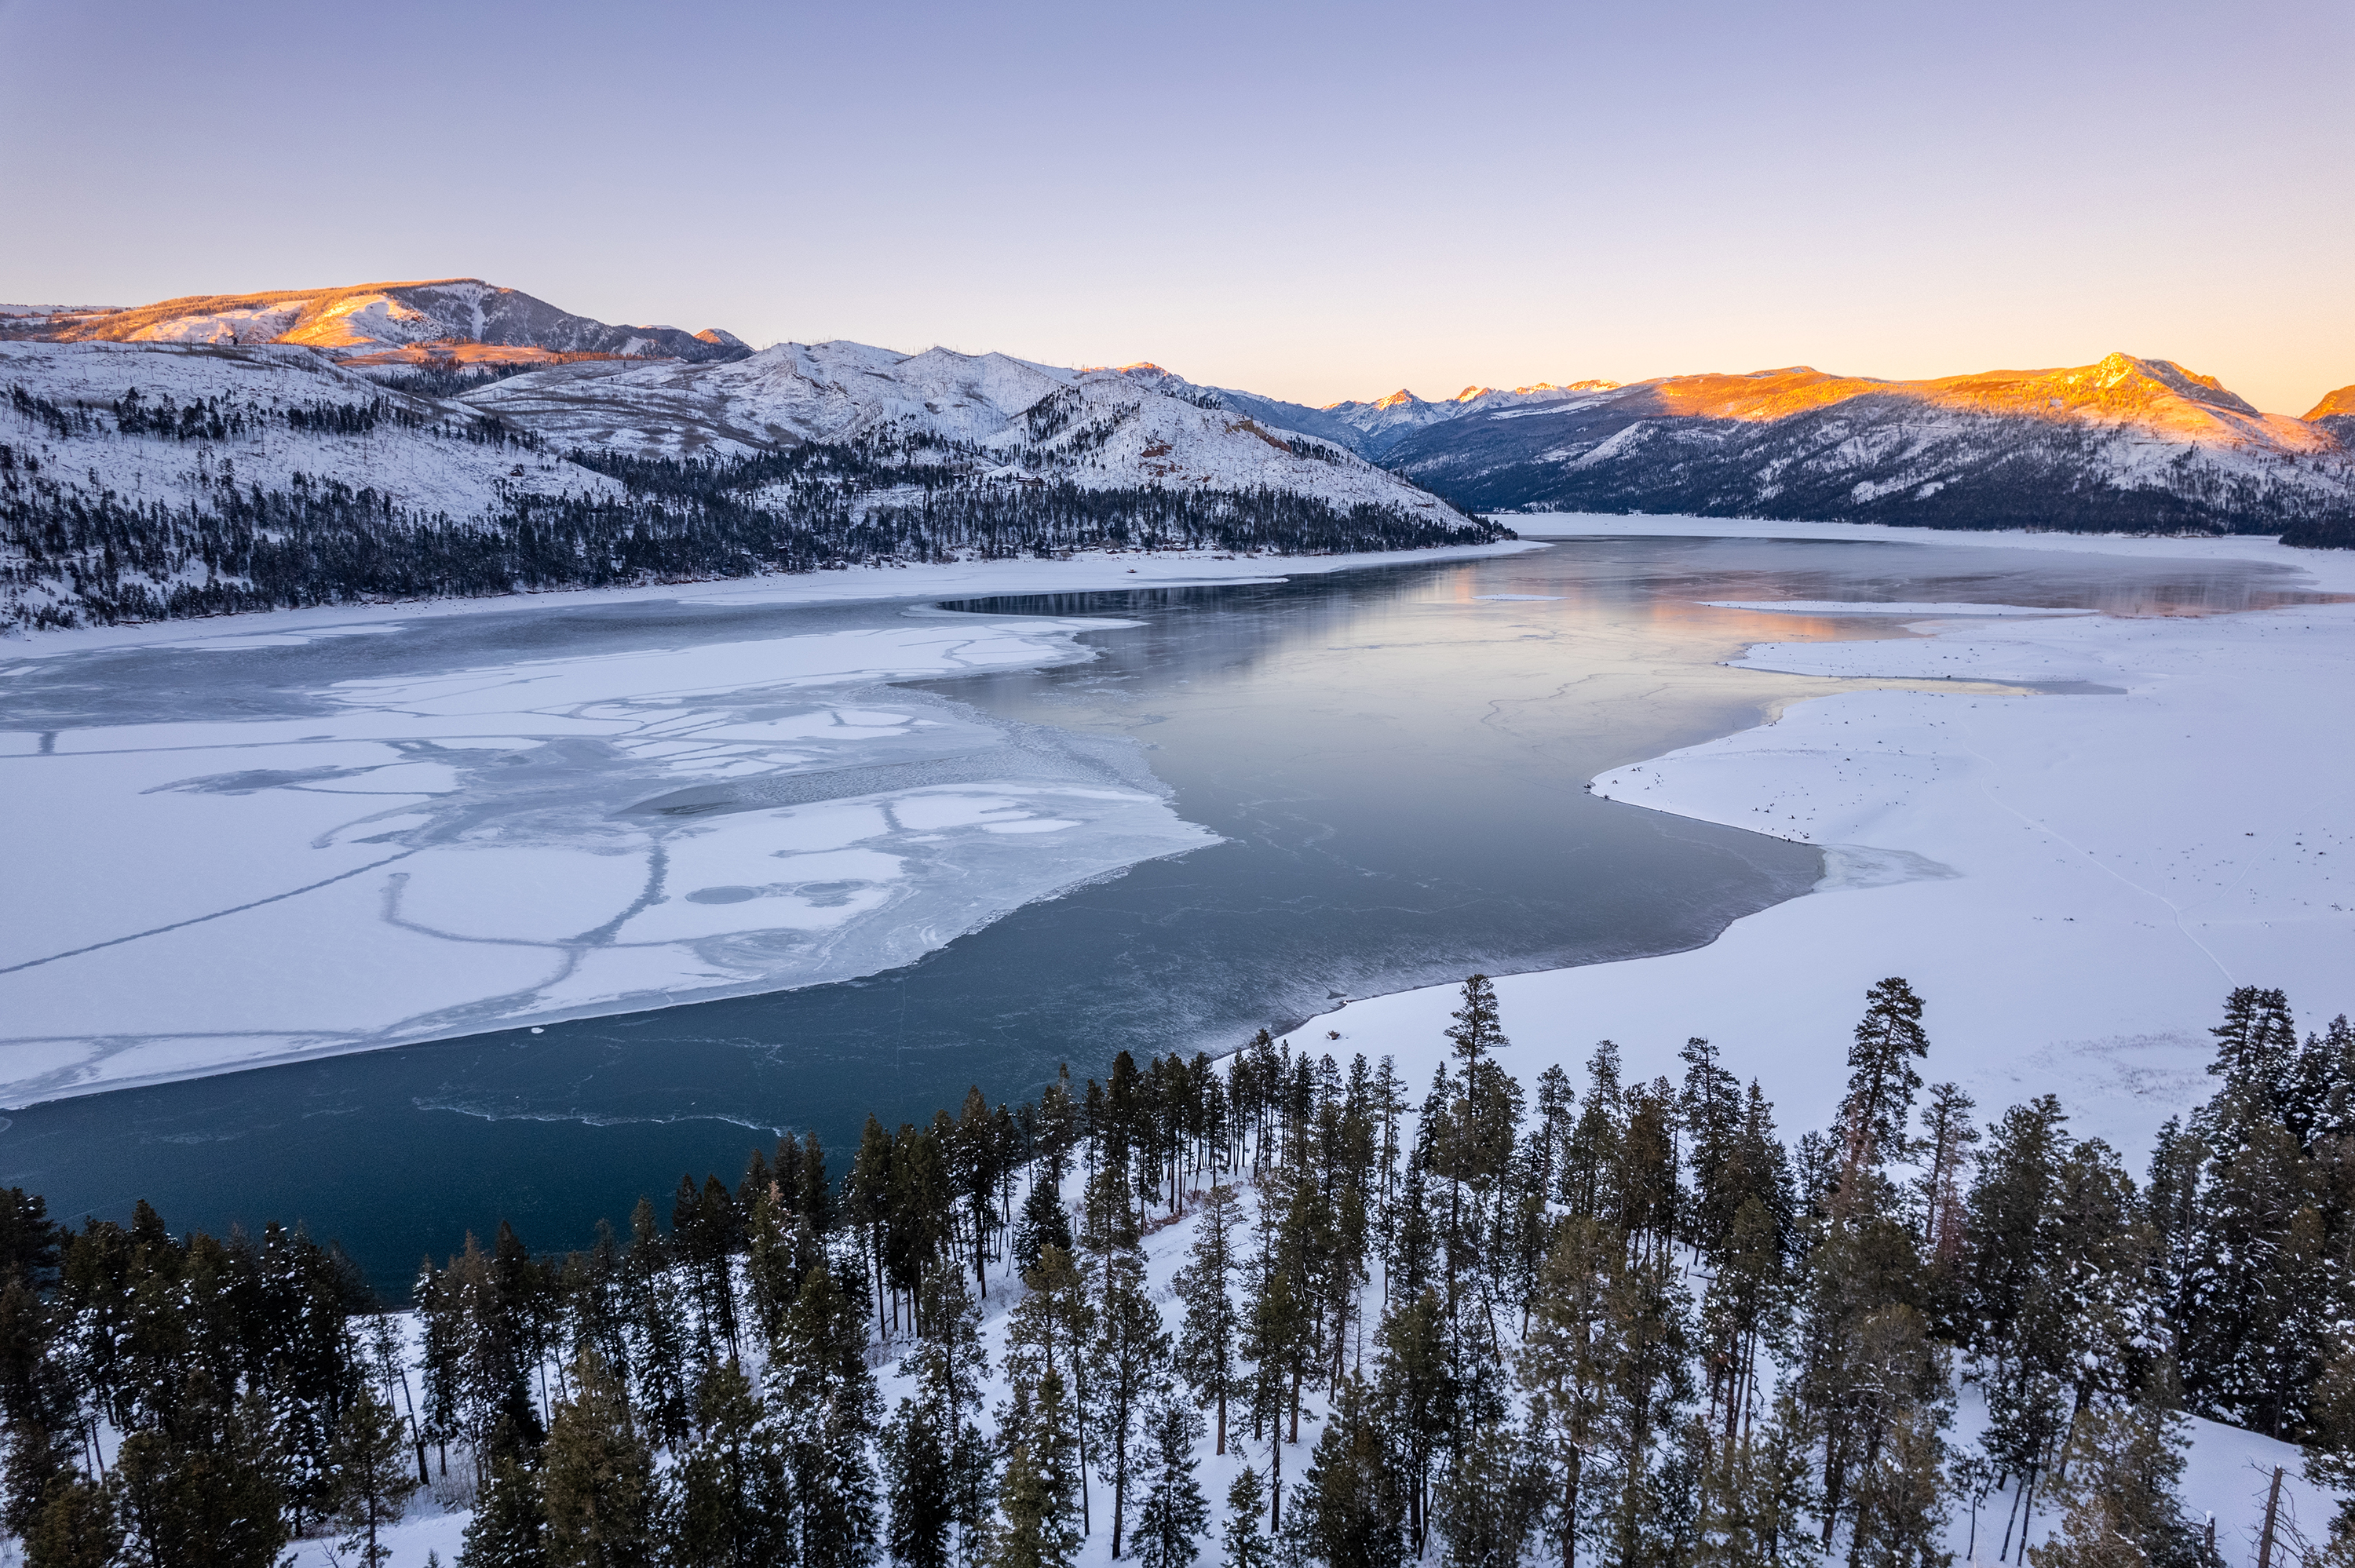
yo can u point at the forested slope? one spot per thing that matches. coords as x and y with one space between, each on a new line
1619 1322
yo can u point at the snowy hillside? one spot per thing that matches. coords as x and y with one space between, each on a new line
373 318
2128 444
149 479
1097 428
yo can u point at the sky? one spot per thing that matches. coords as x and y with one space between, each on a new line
1315 202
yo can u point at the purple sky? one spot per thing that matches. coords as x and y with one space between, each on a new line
1318 202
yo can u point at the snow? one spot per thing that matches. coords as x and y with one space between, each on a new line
2072 882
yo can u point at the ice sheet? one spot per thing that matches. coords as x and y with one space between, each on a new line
440 852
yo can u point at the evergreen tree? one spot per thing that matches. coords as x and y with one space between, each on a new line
202 1490
1044 1224
917 1474
509 1526
1757 1495
1038 1491
1244 1546
2124 1463
74 1527
731 1502
371 1463
1486 1502
1881 1081
1175 1513
1128 1369
1205 1354
597 1479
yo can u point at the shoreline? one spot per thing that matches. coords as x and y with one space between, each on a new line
2055 872
1094 571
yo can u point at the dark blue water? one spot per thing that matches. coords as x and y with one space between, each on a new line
1396 764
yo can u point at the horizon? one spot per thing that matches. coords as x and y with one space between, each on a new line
1316 203
1463 393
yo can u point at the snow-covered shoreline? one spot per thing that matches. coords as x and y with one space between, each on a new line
1092 571
2072 882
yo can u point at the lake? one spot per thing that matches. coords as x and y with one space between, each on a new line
1393 760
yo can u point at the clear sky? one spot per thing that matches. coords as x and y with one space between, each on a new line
1312 201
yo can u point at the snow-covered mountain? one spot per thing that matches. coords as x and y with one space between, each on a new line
150 477
1369 430
369 320
2336 414
2130 444
1385 422
1099 428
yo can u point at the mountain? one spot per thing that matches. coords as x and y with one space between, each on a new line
1369 430
144 478
369 320
2128 444
1096 429
2336 414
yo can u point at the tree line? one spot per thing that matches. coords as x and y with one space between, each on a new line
1617 1322
75 554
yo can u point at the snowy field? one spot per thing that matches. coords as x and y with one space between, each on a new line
418 856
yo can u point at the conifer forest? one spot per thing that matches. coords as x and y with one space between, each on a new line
1607 1323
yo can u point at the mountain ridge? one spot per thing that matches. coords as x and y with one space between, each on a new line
2128 443
366 319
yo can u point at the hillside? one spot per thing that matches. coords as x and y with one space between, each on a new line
1098 429
2130 445
145 479
372 319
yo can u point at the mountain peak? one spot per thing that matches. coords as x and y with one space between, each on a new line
2335 405
369 319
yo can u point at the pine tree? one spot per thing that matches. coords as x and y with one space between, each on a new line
2123 1464
1883 1081
74 1527
1175 1513
1038 1491
820 1382
1477 1028
1420 1396
1485 1504
371 1464
509 1527
731 1502
1206 1343
1128 1368
1044 1224
203 1491
597 1477
1755 1498
916 1470
1245 1547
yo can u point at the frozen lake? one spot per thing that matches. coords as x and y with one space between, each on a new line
1267 796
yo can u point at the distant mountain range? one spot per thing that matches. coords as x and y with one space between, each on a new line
390 439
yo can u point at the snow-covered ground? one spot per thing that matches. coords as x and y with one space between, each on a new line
510 843
2226 1474
2074 882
